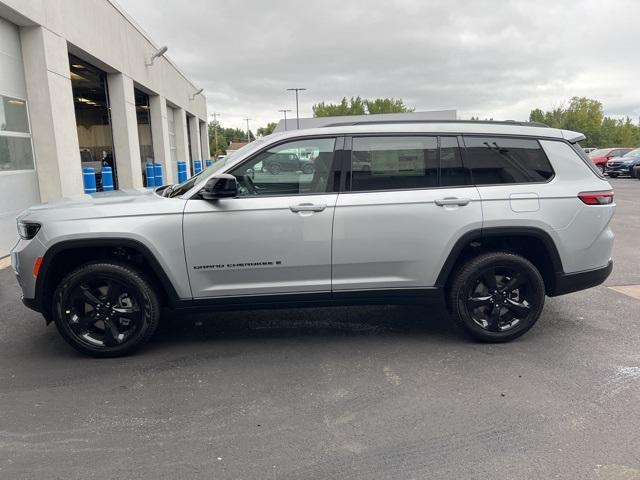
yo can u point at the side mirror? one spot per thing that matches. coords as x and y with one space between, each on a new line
222 185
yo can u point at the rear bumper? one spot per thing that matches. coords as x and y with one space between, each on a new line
573 282
31 303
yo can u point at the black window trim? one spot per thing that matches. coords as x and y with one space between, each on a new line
338 147
517 137
347 160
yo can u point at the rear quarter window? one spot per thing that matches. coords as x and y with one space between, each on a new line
500 160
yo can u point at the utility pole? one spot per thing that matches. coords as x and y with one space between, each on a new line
297 89
285 118
215 131
248 137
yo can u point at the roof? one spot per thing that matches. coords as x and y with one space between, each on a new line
236 145
442 127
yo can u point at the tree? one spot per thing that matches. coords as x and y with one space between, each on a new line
268 130
358 106
224 136
586 115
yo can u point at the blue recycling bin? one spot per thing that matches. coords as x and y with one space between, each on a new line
107 179
207 162
89 179
182 172
151 175
197 166
157 167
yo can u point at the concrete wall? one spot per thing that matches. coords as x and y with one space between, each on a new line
18 189
36 37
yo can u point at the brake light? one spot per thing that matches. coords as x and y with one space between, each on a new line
597 198
36 266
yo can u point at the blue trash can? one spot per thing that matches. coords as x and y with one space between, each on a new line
207 162
158 174
182 172
89 179
197 166
151 175
107 179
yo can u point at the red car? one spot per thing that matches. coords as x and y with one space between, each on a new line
601 156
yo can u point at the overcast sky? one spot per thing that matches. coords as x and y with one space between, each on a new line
487 58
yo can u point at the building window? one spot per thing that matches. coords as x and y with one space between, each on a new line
93 120
15 137
144 130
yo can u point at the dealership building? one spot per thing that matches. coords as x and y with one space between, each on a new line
82 85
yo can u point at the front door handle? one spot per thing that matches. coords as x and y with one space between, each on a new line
461 202
308 207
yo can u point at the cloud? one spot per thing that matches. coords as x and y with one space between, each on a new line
487 58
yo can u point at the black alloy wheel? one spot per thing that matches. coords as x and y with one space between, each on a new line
105 309
497 296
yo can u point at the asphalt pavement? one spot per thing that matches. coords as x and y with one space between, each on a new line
342 393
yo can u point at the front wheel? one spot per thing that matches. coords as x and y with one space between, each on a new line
613 174
497 296
106 309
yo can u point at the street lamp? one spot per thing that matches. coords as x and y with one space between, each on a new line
285 118
248 137
298 89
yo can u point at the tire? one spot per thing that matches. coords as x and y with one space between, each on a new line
274 168
601 167
307 169
496 316
613 174
106 309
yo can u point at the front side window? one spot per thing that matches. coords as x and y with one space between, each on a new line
391 163
293 168
498 160
15 137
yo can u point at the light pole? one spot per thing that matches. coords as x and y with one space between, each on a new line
285 118
248 137
215 131
298 89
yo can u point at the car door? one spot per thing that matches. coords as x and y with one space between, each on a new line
273 238
408 201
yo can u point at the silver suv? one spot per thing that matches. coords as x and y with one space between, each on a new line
487 217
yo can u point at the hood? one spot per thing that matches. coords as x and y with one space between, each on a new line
118 203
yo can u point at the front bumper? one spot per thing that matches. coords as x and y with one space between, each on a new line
619 169
573 282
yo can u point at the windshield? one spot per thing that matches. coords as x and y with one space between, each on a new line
184 187
633 153
601 152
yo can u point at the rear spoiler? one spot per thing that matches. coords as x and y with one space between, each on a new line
572 137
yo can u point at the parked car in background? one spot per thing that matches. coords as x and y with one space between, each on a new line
588 150
623 165
601 156
286 162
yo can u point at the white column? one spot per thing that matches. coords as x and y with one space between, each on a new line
124 125
160 136
53 118
182 142
204 141
194 129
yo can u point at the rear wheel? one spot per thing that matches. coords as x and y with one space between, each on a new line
601 167
613 174
497 296
307 168
106 309
274 169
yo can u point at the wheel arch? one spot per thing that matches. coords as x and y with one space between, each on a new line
63 256
532 243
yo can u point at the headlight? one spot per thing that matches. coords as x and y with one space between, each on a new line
28 230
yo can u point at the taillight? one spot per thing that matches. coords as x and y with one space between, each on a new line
597 198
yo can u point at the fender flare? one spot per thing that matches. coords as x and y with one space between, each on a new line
483 233
65 245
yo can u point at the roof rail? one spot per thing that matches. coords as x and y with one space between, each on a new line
387 122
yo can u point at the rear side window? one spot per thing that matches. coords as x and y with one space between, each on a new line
389 163
497 160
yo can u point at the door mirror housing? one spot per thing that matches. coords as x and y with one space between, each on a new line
221 185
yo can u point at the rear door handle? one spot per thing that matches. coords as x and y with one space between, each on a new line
308 207
461 202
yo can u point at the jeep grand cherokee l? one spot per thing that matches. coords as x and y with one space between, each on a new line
487 217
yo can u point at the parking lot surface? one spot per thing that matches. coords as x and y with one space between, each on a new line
358 392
